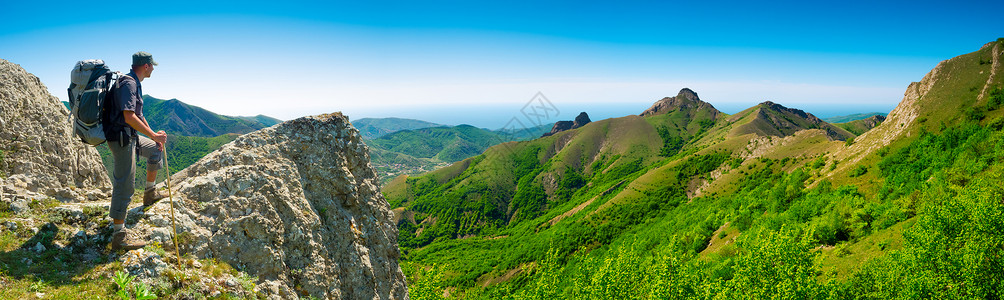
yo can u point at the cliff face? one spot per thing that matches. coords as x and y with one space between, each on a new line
297 205
39 157
929 102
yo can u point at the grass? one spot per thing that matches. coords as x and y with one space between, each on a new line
857 127
841 261
790 189
77 263
952 91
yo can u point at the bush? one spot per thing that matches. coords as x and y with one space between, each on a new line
860 170
975 113
996 99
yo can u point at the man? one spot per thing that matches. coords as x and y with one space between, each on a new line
125 121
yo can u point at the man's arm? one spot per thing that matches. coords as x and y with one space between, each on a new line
140 125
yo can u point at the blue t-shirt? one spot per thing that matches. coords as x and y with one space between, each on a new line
129 96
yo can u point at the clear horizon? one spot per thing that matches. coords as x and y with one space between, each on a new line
456 63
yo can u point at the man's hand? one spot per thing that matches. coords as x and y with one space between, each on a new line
160 137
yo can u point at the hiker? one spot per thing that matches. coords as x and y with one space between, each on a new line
125 144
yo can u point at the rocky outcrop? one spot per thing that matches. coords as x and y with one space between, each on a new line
296 204
39 157
872 121
686 99
923 99
772 119
580 120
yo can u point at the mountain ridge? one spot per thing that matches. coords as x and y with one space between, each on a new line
754 188
852 117
175 116
372 128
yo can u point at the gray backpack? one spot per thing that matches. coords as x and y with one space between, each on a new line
91 86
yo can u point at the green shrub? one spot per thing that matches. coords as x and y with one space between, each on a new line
859 170
996 99
975 113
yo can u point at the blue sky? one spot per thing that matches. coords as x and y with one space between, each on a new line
479 62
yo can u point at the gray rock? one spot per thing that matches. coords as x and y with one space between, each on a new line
298 202
40 153
581 120
144 264
39 247
70 214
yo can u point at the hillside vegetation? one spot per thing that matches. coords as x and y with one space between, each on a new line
174 116
852 117
408 152
860 126
687 202
371 128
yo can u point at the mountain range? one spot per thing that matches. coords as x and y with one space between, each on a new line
852 117
372 128
771 201
268 215
407 146
180 118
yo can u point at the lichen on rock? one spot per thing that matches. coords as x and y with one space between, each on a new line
40 156
296 204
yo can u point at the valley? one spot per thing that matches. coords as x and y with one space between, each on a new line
687 202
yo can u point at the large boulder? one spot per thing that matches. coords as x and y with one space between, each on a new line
39 157
296 204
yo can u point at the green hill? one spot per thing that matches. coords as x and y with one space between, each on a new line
180 118
447 144
409 152
371 128
687 202
861 125
176 117
264 120
852 117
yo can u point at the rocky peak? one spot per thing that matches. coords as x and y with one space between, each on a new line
794 111
772 119
687 93
296 204
580 120
686 99
39 156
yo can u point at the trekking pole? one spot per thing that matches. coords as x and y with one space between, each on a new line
170 197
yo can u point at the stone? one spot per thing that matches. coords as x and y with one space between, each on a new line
298 205
581 120
40 153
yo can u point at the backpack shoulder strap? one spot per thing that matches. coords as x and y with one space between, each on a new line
121 78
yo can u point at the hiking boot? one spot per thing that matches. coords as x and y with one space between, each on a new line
119 241
151 196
